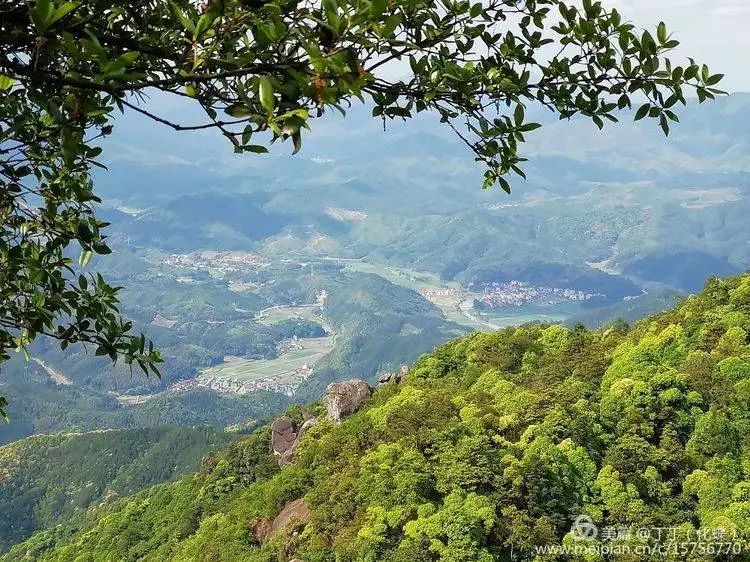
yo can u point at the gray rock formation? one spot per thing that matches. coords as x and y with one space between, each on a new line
397 377
284 438
344 398
385 378
286 458
294 516
262 529
282 435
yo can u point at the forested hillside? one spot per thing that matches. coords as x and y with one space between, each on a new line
46 480
492 446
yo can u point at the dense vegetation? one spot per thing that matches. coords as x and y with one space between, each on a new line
47 479
495 444
630 310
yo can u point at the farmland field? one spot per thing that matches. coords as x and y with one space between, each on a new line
409 278
276 314
283 368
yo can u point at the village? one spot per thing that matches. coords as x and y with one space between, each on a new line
223 262
519 293
286 383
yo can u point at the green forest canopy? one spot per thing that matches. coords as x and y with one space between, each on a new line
495 444
46 480
261 71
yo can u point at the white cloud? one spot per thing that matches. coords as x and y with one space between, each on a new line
711 31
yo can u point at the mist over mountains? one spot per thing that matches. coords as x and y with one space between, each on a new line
624 203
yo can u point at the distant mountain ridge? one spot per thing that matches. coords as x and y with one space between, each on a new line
626 195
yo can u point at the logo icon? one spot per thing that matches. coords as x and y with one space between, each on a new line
583 528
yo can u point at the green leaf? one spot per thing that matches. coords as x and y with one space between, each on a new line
186 22
238 110
41 14
85 258
661 33
265 91
390 25
204 24
6 82
664 124
256 148
528 127
642 112
377 7
126 59
102 249
504 184
62 11
332 15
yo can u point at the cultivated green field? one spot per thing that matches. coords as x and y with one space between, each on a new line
277 314
409 278
283 367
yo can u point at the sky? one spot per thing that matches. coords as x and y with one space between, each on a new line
711 31
714 32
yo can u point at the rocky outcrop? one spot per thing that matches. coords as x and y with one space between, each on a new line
295 514
285 440
344 398
282 435
292 518
303 429
262 529
396 377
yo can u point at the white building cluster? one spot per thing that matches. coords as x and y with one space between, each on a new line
518 293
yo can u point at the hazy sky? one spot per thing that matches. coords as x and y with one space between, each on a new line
714 32
711 31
